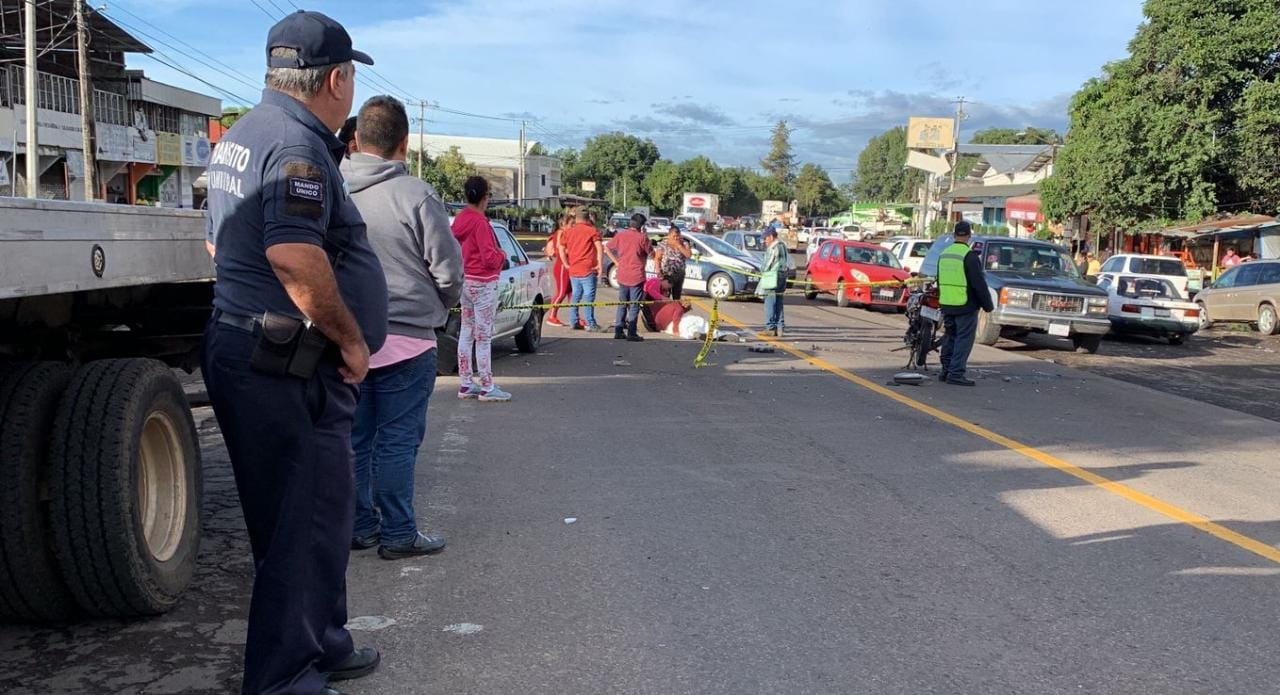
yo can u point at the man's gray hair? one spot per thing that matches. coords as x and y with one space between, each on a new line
302 83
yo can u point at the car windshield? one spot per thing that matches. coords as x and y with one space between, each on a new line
1026 258
859 254
921 250
660 221
1157 266
720 247
1146 288
752 242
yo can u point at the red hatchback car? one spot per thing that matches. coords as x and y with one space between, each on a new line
843 268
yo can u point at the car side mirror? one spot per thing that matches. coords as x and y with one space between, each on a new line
506 264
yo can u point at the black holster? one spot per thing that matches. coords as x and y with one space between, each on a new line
287 346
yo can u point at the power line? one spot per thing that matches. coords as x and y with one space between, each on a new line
184 43
230 73
264 10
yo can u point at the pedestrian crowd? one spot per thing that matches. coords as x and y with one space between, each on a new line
335 270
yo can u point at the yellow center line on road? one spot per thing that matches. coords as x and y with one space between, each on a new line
1155 504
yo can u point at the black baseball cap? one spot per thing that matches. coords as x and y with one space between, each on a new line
318 40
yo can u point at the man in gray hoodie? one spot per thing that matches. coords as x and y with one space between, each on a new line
409 230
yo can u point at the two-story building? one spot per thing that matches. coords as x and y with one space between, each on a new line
498 160
150 140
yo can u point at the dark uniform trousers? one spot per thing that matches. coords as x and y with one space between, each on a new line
290 446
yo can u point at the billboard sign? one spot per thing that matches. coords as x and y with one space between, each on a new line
169 149
114 144
931 133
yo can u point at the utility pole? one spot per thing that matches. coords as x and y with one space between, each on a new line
86 104
33 145
422 137
520 183
955 153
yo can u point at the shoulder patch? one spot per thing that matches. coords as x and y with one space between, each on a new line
304 192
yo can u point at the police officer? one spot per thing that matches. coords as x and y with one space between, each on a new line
962 290
300 301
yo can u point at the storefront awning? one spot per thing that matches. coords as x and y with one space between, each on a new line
1025 208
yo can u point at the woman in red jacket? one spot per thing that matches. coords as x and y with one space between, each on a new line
482 261
559 271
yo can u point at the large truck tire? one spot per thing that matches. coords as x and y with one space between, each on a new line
31 588
126 488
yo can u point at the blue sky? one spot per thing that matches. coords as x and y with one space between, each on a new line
698 78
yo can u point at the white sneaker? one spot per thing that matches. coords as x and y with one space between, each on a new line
495 394
466 392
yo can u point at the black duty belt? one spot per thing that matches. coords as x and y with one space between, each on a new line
245 323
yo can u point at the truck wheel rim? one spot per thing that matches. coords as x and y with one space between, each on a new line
162 488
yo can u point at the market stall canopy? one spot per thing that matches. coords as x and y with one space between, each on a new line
987 192
1243 224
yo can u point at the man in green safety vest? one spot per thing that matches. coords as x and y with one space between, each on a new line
962 290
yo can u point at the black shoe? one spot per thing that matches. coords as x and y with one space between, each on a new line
635 338
424 544
619 335
578 327
366 542
961 381
358 664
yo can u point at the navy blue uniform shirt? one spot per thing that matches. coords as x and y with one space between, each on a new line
274 179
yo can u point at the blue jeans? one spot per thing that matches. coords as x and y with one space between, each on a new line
773 310
391 420
629 312
584 290
957 343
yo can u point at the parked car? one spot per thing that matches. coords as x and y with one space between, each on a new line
618 222
661 223
716 269
1036 288
748 221
852 232
815 242
523 282
682 225
1247 293
842 267
910 251
1167 267
752 243
1151 306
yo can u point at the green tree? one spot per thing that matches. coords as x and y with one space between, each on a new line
699 175
766 187
814 191
662 185
446 173
780 163
736 196
882 175
1165 134
538 150
610 158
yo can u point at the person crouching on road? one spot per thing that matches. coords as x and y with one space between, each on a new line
583 254
663 314
559 270
409 230
482 261
962 290
773 282
629 250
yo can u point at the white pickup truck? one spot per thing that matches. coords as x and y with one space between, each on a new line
100 506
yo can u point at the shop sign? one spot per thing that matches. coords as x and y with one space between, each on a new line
169 149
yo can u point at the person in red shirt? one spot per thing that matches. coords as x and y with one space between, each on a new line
482 261
559 270
629 250
664 314
583 254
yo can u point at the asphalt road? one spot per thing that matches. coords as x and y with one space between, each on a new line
781 522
